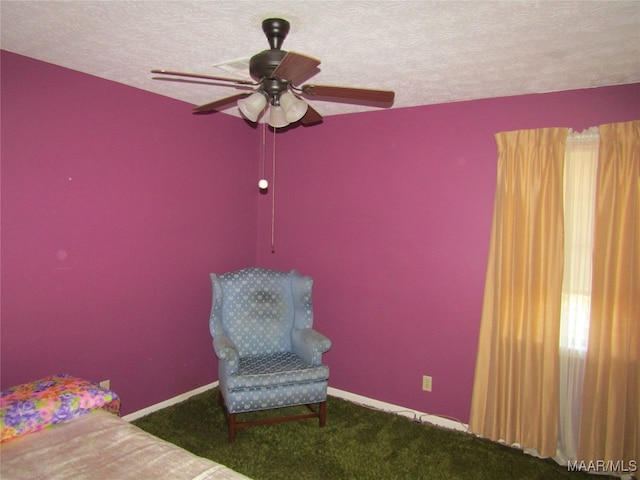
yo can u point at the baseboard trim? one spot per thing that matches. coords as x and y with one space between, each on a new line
167 403
410 413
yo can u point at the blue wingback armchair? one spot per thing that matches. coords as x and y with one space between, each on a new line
269 356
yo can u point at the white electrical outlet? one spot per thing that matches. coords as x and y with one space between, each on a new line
106 384
426 383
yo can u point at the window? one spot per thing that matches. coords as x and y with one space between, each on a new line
581 159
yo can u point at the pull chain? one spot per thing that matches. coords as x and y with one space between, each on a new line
273 194
264 148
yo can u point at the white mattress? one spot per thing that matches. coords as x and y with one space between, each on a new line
100 445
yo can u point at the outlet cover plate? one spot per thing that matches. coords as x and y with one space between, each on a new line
426 383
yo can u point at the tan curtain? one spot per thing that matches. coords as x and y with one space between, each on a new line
610 421
516 381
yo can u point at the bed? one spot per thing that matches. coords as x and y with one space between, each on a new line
62 427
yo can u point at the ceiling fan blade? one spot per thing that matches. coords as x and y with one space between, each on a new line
311 117
218 104
296 68
237 81
204 82
350 94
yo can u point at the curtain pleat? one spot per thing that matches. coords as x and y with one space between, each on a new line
516 381
610 422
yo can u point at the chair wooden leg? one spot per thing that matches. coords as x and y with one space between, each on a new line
231 425
231 418
323 413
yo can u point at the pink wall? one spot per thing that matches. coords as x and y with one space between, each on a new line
390 212
116 204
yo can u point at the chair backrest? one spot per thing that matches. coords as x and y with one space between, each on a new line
257 308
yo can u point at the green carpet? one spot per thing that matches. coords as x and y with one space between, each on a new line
357 443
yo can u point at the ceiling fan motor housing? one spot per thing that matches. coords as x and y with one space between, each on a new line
264 63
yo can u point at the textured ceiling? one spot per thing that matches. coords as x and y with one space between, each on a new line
427 51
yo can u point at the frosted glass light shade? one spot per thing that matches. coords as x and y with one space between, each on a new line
252 106
277 117
294 108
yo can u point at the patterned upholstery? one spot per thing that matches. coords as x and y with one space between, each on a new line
269 356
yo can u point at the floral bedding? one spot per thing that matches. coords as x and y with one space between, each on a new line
33 406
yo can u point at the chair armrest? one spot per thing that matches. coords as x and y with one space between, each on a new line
309 344
226 351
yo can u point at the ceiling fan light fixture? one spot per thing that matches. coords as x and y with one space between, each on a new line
252 106
294 108
277 118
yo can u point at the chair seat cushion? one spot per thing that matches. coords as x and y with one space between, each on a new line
275 369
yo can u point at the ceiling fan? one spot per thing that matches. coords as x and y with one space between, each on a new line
277 74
